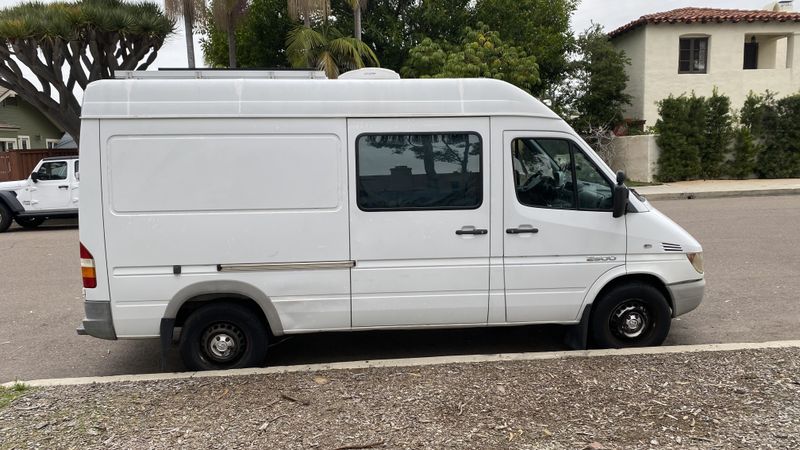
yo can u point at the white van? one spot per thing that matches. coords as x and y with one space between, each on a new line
240 210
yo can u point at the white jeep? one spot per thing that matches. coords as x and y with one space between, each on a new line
51 191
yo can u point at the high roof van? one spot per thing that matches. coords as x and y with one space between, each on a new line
238 210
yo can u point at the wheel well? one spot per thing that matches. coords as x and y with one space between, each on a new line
195 303
9 200
651 280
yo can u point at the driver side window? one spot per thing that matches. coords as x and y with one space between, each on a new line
53 171
545 174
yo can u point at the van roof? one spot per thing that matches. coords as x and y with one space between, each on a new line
145 98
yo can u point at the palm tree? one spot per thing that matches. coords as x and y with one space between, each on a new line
192 12
227 14
306 8
358 6
327 50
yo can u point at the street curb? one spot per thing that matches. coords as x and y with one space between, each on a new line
720 194
414 362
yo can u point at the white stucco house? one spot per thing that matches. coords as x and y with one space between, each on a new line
697 49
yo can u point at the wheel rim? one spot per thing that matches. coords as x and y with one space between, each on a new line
223 343
630 320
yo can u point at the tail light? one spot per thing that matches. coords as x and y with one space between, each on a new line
87 269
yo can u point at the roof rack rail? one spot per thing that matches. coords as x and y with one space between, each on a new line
218 74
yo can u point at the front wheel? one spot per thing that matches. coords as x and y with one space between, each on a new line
223 336
29 222
631 315
5 218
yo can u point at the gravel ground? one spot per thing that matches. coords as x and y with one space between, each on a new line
734 399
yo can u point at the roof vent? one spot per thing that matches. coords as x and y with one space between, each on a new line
370 73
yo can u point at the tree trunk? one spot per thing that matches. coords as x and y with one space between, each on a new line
429 160
357 22
187 28
231 44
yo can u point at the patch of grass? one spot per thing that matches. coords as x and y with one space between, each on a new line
9 394
632 183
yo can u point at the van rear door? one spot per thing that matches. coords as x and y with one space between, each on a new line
419 221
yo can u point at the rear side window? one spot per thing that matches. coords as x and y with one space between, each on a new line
419 171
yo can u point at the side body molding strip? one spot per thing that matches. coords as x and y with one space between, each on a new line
257 267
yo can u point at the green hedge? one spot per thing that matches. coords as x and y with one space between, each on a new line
699 138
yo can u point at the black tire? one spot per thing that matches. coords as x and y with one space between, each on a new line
29 222
631 315
5 218
223 336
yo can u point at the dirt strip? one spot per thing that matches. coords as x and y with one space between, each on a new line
732 399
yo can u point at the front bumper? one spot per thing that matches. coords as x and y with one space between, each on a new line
686 296
98 321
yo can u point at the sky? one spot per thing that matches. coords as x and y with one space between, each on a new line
608 13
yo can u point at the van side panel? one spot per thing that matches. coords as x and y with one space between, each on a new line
193 201
90 210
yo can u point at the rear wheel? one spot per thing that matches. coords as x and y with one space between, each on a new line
5 218
29 222
223 336
631 315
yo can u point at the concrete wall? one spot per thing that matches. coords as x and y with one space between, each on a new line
633 43
637 156
779 49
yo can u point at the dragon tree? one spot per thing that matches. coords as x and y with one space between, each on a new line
49 51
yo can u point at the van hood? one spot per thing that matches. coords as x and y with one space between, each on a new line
654 232
13 185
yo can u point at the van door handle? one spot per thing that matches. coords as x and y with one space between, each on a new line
472 231
522 230
63 186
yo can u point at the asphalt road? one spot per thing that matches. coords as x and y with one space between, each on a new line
752 262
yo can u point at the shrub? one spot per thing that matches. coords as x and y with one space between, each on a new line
781 137
717 135
680 155
745 153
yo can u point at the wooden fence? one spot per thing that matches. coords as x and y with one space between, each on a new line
18 164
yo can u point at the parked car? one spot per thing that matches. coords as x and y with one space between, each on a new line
51 191
240 210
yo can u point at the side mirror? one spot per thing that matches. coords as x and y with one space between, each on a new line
35 177
621 194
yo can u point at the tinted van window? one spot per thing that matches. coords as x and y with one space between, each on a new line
419 171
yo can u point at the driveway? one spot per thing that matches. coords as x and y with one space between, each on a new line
751 260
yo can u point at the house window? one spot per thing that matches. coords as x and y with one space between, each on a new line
401 172
751 54
693 55
51 143
24 142
8 144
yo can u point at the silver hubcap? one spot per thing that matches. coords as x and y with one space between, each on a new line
223 342
630 320
222 345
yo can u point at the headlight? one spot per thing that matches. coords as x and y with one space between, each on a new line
697 261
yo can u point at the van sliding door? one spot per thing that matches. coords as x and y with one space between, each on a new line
419 221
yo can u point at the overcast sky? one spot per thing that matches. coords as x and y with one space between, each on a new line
608 13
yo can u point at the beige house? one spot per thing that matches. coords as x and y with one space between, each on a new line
697 49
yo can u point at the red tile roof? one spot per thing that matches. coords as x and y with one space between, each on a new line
708 15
